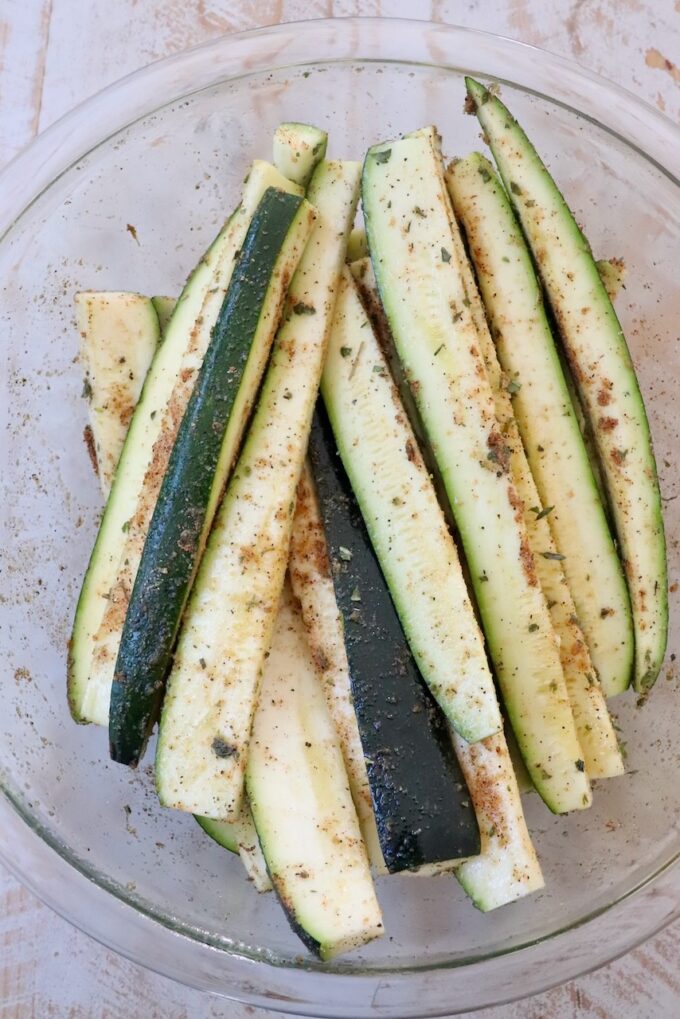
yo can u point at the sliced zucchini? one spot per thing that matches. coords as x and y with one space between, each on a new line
165 307
421 803
404 521
119 334
357 245
492 251
110 327
212 690
423 293
205 448
545 417
602 369
312 584
298 149
113 564
507 867
240 837
301 802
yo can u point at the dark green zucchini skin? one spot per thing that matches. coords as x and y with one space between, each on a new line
176 534
422 805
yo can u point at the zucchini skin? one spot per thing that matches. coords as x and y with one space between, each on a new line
602 369
176 534
421 802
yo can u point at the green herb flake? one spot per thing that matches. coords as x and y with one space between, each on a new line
440 347
355 595
580 765
483 579
482 170
287 395
419 212
466 302
202 662
542 513
446 257
515 188
530 202
383 157
514 387
221 748
397 501
379 369
533 627
557 556
345 351
345 554
87 390
303 309
126 527
505 258
153 413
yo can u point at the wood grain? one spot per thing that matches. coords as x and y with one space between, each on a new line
24 31
54 54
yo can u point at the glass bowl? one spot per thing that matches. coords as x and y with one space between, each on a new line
164 151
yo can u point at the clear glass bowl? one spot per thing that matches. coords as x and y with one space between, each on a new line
165 151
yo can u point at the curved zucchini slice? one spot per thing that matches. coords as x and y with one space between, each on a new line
406 525
113 564
119 334
312 583
240 837
298 149
357 245
544 413
204 450
301 802
492 251
421 803
423 293
165 307
603 371
212 690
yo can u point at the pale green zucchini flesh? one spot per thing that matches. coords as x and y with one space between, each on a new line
602 368
507 867
405 522
312 584
423 293
301 802
240 837
297 151
119 334
212 688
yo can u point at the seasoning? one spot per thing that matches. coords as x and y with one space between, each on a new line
345 554
553 555
446 257
303 309
345 351
383 157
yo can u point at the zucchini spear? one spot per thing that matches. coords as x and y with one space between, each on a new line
408 222
113 565
200 459
513 305
212 688
602 369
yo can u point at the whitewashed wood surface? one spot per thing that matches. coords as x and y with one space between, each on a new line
55 53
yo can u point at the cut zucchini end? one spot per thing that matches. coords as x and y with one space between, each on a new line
297 149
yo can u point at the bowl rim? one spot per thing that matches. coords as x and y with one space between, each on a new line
22 182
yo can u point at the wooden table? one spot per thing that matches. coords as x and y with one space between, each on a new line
55 53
